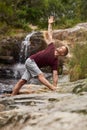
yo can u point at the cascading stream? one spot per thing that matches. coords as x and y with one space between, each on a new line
25 47
24 54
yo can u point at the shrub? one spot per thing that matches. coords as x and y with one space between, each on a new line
78 62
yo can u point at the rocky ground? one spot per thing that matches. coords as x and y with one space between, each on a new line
64 109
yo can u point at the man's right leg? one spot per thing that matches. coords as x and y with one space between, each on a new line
19 84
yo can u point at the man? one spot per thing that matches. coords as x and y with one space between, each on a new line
47 57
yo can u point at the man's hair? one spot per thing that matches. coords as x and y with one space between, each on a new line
67 50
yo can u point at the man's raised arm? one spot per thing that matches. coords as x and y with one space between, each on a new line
50 31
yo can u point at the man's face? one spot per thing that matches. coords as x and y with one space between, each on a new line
61 51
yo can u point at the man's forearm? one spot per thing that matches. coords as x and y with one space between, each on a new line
55 79
50 27
50 30
50 22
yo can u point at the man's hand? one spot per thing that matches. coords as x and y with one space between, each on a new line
53 88
51 20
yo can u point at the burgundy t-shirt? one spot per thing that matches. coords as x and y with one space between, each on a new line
46 57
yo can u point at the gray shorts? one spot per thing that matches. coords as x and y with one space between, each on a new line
32 70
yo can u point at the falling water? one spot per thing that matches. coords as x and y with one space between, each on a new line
24 53
25 47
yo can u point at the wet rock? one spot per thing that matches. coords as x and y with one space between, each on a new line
6 72
9 49
64 114
2 107
76 87
45 109
6 59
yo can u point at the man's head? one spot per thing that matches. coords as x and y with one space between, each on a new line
61 51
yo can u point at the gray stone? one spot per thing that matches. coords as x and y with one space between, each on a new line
45 109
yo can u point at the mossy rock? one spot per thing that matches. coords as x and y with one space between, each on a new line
80 88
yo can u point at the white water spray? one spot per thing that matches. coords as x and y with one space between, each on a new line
25 46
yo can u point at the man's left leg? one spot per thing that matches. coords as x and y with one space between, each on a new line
26 76
17 87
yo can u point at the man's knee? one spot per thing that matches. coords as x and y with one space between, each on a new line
22 81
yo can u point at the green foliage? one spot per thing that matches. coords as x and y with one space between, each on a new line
78 63
84 10
6 13
20 13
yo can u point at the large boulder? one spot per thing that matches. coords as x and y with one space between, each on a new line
37 42
9 49
71 36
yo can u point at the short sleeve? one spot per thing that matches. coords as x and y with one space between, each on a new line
55 65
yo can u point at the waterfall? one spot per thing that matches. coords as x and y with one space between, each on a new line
25 47
18 70
24 54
